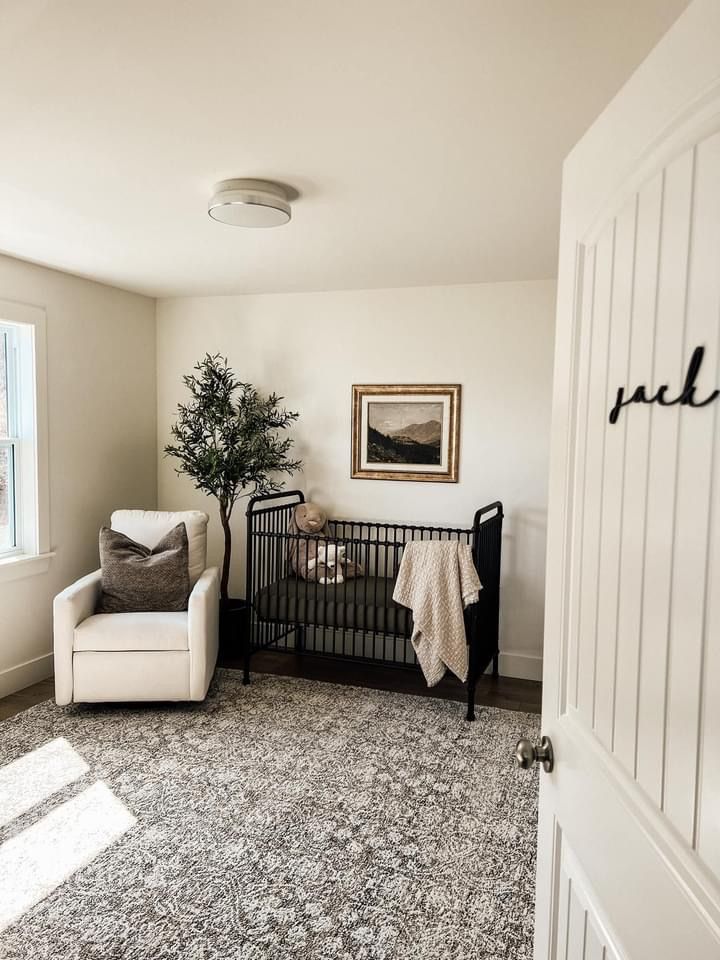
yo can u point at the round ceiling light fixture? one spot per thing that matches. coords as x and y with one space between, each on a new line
249 203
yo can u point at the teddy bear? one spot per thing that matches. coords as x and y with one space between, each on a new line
310 534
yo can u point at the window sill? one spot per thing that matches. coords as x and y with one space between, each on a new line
22 565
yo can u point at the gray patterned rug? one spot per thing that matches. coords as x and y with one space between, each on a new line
287 819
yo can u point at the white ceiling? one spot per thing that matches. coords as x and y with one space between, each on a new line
425 137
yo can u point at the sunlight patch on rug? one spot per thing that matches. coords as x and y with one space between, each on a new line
36 775
36 861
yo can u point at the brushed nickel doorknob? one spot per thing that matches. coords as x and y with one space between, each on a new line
526 754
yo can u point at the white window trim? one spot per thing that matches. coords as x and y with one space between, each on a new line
10 445
34 485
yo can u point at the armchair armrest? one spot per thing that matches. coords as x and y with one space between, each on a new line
70 608
203 622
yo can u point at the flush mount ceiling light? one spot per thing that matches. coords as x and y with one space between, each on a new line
249 203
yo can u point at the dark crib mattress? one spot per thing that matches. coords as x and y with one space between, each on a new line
363 603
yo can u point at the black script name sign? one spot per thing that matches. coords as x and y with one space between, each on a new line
686 398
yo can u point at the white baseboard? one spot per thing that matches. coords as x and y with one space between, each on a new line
523 666
25 674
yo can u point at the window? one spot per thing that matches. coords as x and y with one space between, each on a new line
9 418
24 520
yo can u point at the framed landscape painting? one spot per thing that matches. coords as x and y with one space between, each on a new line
406 432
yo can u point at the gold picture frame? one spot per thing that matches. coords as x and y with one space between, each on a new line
406 432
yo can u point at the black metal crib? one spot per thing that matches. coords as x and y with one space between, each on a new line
358 619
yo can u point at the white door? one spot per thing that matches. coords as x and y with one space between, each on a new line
629 837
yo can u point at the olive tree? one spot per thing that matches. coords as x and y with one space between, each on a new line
228 440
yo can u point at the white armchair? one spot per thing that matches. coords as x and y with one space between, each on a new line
139 656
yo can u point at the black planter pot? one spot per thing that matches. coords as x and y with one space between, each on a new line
232 620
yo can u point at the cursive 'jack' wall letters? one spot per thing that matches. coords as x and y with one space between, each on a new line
686 397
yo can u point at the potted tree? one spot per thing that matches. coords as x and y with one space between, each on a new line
227 440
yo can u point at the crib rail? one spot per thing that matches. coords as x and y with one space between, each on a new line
357 619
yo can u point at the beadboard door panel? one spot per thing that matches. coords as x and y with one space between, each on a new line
629 852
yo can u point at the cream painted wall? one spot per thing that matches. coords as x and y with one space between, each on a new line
102 442
494 339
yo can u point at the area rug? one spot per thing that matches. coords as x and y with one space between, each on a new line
286 819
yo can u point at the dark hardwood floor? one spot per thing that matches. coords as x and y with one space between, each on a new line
505 692
23 699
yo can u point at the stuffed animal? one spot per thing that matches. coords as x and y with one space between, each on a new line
308 525
329 563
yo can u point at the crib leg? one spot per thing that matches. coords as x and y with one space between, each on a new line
496 662
247 627
471 684
246 665
300 639
471 701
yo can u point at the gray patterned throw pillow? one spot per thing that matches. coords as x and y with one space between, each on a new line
136 579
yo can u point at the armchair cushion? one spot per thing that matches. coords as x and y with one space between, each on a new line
137 578
132 631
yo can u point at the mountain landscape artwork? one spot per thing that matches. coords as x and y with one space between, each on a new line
409 433
405 431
